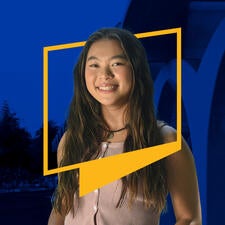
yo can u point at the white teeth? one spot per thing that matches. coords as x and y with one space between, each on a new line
107 88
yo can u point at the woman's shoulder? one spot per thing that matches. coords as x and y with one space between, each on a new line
168 133
61 147
62 141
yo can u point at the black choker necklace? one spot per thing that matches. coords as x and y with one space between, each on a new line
111 132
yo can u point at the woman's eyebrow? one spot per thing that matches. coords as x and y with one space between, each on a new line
92 58
119 56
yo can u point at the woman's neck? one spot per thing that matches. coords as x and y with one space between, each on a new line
114 117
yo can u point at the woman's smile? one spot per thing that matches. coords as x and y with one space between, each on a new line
107 88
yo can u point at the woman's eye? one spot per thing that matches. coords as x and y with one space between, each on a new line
117 64
94 65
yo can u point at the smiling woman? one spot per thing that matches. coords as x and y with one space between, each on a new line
112 112
108 75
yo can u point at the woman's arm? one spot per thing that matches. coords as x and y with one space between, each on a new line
182 182
55 217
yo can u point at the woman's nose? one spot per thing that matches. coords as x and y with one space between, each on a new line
106 73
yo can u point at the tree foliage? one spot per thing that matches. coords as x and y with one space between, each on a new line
14 139
37 147
17 147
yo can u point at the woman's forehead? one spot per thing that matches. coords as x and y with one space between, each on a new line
105 47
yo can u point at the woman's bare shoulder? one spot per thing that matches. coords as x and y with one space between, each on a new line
61 147
183 156
169 134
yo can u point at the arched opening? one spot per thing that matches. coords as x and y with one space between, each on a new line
167 110
167 104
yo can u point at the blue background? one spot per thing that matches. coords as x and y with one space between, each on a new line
26 27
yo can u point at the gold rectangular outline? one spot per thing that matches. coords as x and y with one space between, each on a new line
47 49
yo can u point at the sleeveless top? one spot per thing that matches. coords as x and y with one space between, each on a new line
99 206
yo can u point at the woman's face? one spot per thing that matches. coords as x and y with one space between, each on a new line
108 73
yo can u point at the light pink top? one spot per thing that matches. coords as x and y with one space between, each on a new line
99 206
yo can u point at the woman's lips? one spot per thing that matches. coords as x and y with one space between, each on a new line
107 87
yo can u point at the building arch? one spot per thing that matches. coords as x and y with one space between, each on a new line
198 90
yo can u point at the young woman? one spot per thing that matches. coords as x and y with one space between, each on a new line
112 112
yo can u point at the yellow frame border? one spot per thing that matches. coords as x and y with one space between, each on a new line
176 146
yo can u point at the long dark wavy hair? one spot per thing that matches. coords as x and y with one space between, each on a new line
85 128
